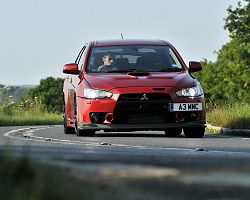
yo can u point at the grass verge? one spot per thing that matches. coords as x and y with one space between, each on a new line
236 116
30 118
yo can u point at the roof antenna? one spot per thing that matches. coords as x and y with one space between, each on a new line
121 35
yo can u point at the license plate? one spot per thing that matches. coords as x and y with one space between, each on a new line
185 107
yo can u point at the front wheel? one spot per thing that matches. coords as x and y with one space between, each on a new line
194 132
67 129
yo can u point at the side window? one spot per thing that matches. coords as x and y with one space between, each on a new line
80 57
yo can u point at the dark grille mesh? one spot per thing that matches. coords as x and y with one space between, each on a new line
143 108
145 97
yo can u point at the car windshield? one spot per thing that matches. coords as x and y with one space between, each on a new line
132 59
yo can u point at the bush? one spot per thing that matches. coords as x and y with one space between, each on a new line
48 93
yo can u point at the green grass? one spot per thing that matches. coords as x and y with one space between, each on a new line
20 117
236 116
27 119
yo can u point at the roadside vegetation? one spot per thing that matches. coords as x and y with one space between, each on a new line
235 116
226 82
41 105
30 118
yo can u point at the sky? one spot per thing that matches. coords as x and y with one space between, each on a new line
37 37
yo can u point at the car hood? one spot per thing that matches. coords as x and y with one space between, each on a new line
110 81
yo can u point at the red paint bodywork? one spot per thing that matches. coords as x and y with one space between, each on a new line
78 109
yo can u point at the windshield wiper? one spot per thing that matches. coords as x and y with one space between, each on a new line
175 69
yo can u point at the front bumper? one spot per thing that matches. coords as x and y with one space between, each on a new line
137 127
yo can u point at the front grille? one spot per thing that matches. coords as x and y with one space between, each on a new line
145 97
143 108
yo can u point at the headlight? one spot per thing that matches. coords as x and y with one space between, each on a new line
190 92
90 93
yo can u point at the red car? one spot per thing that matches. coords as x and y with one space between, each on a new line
131 85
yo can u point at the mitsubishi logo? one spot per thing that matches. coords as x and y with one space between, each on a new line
144 97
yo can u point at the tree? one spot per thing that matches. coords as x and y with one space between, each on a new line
227 80
48 93
238 22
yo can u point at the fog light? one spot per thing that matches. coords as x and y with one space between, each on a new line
109 117
94 117
193 116
179 117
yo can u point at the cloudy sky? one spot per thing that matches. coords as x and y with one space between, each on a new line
37 37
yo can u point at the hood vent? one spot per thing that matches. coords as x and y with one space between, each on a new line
159 89
138 73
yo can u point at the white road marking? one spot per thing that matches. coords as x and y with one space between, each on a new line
29 132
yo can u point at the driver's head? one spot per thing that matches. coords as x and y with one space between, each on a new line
108 58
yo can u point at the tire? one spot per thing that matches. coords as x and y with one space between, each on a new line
197 132
67 129
173 131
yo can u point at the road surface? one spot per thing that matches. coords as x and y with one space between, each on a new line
212 167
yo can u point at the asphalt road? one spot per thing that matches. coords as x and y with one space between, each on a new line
212 167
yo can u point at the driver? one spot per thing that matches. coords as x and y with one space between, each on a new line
108 60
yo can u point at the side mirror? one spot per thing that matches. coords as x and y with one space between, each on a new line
194 66
71 68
